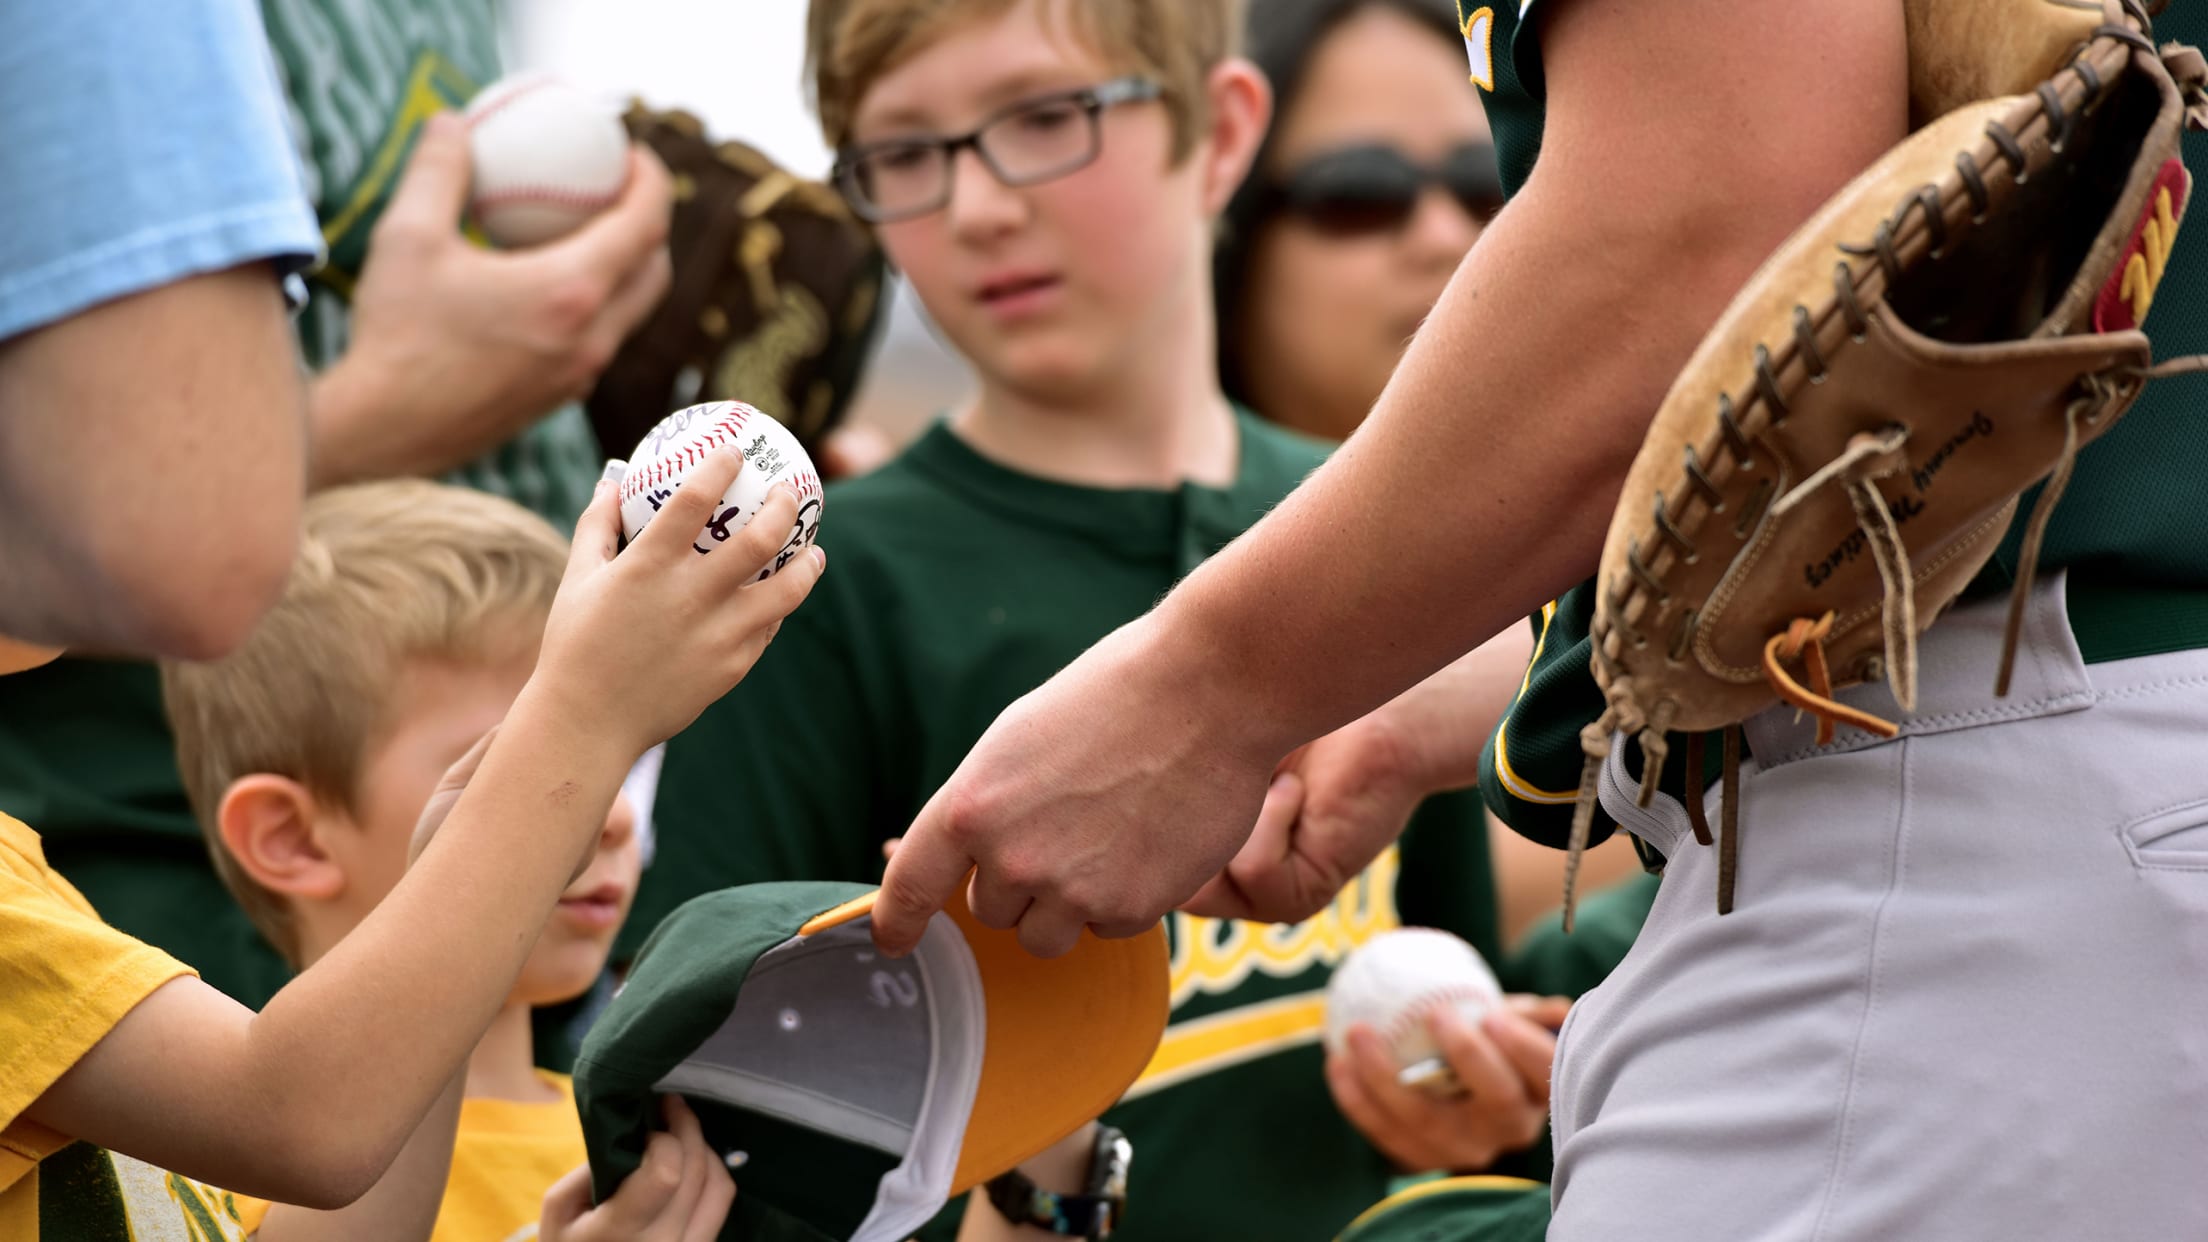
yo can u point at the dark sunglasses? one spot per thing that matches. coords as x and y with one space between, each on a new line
1373 189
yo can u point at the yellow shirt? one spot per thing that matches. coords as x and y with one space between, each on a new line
505 1156
66 979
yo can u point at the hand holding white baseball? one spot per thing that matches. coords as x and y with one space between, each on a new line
547 157
771 456
1392 981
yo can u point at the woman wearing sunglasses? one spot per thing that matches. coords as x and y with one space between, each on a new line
1377 177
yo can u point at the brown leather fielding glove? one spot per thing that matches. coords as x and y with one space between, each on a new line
1847 446
776 300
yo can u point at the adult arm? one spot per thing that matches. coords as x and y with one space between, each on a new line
152 438
1683 143
152 466
456 349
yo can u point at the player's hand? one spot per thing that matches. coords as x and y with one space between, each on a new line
1083 806
456 348
638 644
1336 803
1504 1064
681 1193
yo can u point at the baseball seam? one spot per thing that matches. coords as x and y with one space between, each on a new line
500 104
550 195
1414 1013
724 429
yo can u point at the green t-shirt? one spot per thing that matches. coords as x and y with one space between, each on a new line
2138 581
84 751
956 585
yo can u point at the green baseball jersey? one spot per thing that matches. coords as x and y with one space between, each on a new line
2129 530
956 585
1551 963
84 751
1457 1209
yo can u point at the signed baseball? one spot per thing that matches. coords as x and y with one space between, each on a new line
671 450
548 156
1395 979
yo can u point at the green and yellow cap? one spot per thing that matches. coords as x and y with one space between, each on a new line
851 1093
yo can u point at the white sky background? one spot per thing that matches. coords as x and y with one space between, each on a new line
739 66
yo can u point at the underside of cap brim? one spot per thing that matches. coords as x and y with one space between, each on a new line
1066 1036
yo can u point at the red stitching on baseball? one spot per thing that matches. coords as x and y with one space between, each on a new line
546 195
1414 1014
528 86
722 430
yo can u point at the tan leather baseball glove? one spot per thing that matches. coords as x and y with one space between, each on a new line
1848 445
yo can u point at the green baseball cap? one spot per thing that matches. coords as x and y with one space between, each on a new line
1458 1209
853 1094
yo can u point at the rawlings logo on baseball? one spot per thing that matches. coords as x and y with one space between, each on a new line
671 450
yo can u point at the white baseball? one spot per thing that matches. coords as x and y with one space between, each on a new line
1395 979
678 445
548 156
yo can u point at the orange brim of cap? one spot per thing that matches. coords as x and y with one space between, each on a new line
1066 1036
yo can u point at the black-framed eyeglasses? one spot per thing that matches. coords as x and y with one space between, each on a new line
1026 143
1375 188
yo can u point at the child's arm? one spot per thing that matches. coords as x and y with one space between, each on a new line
404 1203
310 1101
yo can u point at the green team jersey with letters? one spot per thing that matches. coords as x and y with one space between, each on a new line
2130 530
956 585
84 751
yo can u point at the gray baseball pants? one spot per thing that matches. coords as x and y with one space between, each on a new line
1963 994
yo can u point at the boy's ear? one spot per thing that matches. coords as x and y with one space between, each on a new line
271 826
1241 109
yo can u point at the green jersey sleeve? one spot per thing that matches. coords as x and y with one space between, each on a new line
1530 769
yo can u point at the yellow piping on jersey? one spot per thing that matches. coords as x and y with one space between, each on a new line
1479 43
1440 1186
433 82
1513 784
1206 1045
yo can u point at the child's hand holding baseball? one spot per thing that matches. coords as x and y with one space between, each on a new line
638 644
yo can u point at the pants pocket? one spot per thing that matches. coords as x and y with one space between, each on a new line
2171 839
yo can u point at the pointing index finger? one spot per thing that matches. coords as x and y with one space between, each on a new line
921 878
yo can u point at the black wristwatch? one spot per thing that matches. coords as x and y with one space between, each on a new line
1093 1214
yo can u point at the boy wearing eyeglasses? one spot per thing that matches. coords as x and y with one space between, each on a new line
1047 175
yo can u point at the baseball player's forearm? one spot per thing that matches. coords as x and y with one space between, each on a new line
1455 546
152 453
1483 483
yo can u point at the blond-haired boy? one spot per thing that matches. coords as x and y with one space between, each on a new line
409 626
1047 173
110 1046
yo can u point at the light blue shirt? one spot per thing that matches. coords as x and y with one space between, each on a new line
144 141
